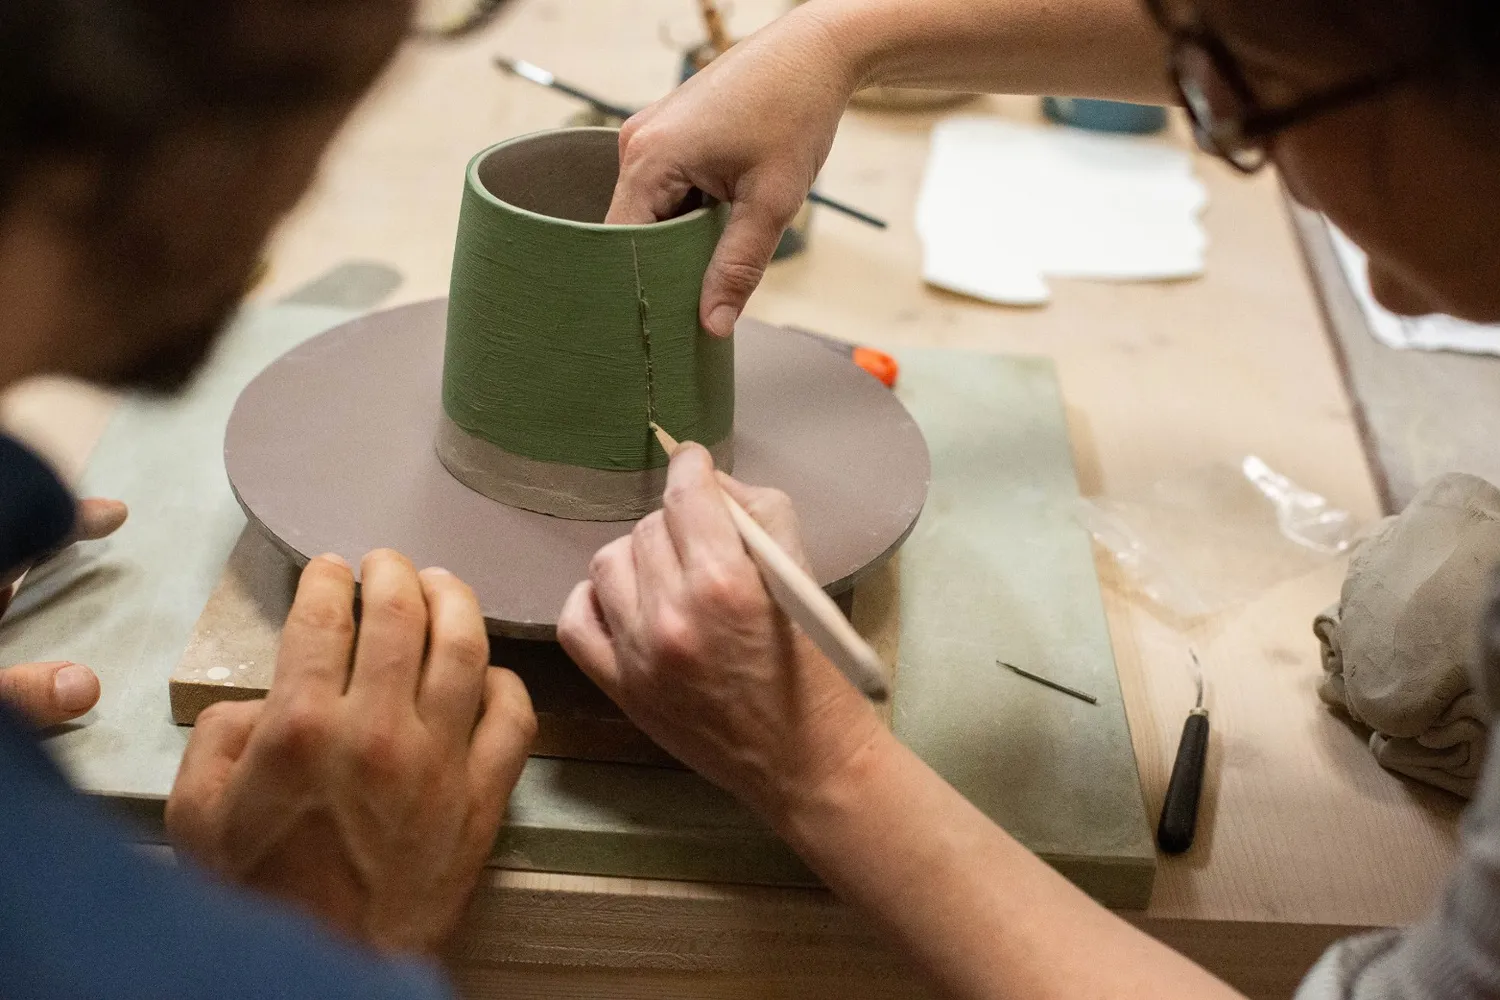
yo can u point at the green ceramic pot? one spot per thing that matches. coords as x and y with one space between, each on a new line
566 336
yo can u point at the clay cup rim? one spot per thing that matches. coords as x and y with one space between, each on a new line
582 139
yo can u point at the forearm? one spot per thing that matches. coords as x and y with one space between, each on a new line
985 916
1079 48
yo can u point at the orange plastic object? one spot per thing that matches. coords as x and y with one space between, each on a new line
879 364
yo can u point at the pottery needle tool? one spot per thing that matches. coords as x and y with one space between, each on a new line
1179 812
849 210
544 78
1049 682
802 599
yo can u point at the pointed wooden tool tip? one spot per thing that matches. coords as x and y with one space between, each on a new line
667 442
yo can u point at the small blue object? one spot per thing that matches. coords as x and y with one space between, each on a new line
1105 116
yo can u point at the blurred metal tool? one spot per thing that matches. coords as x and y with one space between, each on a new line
543 78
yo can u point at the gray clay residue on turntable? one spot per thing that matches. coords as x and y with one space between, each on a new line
330 449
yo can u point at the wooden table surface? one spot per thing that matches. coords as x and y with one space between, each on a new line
1301 835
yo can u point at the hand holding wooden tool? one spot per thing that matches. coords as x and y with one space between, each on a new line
803 601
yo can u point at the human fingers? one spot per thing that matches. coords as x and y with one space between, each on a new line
772 510
458 655
656 563
219 738
318 638
701 528
660 580
502 737
586 640
649 188
48 694
758 214
98 518
392 633
612 572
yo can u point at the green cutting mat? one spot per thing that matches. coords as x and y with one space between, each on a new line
998 568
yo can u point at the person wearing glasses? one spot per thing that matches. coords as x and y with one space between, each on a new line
1385 114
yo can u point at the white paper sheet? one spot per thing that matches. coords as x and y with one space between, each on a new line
1423 333
1004 205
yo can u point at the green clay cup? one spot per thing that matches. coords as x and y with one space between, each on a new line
565 336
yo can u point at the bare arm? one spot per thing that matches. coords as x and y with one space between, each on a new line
754 128
1083 48
984 915
675 625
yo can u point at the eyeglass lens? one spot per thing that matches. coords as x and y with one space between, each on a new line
1217 107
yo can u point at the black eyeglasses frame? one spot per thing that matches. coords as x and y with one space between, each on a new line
1244 142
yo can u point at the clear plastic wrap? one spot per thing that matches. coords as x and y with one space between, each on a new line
1208 538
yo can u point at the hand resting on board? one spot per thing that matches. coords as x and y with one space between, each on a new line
370 783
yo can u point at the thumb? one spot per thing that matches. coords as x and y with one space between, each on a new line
99 518
48 694
739 262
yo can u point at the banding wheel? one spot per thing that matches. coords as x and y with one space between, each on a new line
330 449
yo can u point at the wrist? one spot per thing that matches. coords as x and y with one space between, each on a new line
845 35
806 810
860 36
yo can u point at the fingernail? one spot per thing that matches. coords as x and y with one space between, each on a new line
99 517
335 558
721 320
75 688
435 571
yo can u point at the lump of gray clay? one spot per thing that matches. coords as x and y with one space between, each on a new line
1400 647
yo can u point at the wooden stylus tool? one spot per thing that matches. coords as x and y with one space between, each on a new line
803 600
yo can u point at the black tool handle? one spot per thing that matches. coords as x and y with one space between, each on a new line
1179 813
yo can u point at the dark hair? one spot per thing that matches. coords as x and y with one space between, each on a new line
1459 40
87 75
1472 41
